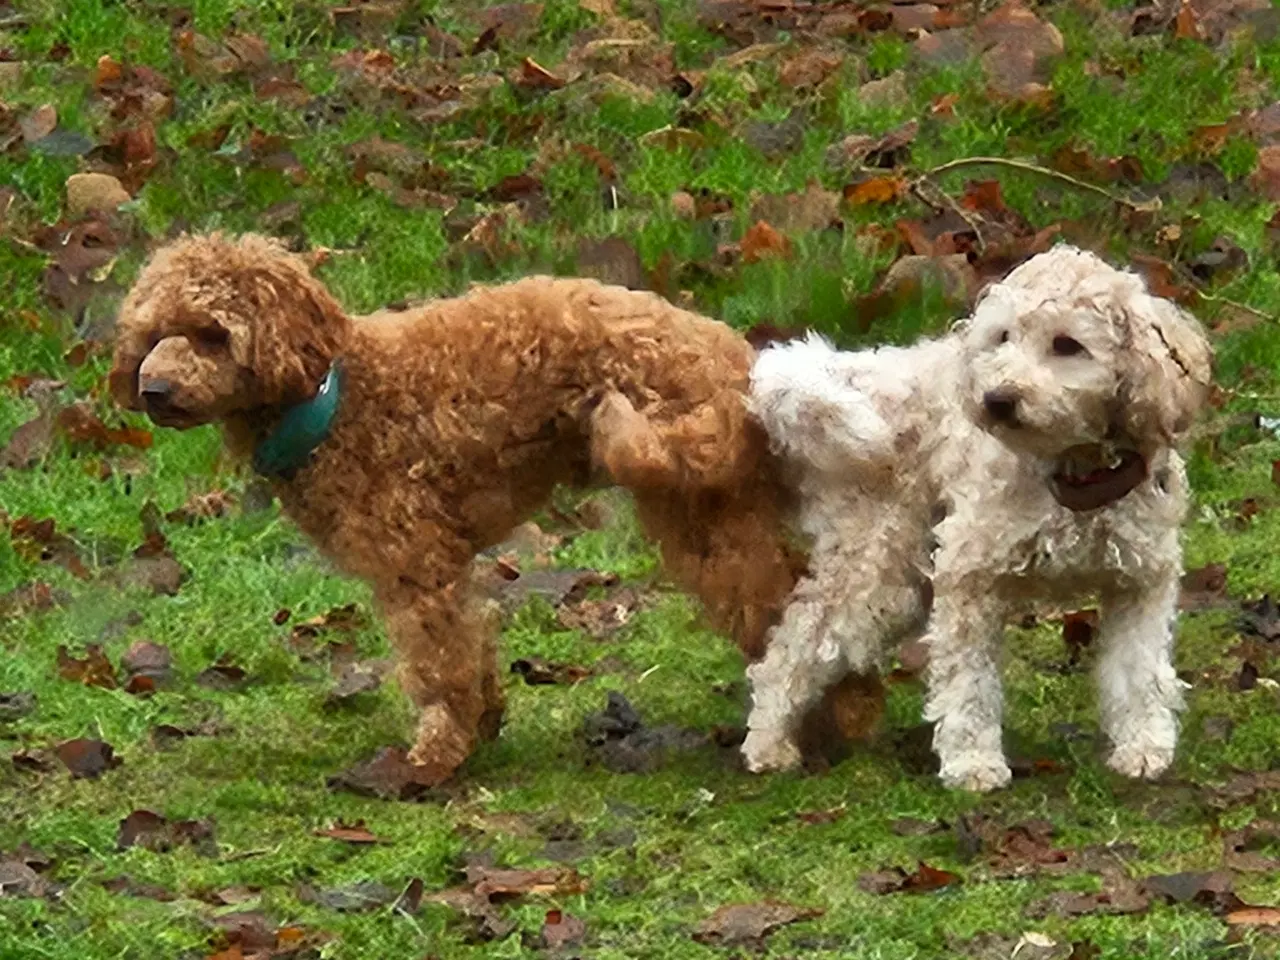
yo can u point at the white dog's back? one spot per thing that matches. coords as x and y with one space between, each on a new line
836 411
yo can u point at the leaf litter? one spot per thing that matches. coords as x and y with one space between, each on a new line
157 833
750 923
618 740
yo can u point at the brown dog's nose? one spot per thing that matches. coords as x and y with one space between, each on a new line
1001 405
155 389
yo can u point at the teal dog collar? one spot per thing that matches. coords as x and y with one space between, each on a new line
301 429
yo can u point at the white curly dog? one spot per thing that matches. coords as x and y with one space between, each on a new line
1026 456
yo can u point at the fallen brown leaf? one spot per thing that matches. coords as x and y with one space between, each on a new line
1254 917
560 930
811 210
1266 176
348 833
29 443
539 672
354 678
600 618
612 260
16 705
151 831
897 880
1018 49
95 670
1187 23
1241 848
389 776
1204 587
763 242
749 923
1078 630
1204 888
38 540
85 758
817 817
81 425
39 123
886 152
534 76
494 883
222 675
19 879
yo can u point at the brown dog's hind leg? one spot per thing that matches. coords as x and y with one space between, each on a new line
628 447
713 447
448 666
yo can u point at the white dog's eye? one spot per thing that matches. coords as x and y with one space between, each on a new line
1003 337
1067 347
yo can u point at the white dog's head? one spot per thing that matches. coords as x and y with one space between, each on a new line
1073 361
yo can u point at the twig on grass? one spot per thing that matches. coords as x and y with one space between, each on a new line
1141 206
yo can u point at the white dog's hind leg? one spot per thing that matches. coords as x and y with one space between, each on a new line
836 620
965 698
801 662
1139 692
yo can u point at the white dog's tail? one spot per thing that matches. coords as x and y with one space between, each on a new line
813 412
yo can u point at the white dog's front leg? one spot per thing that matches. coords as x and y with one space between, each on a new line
965 698
1139 692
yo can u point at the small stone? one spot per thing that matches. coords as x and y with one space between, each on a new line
94 191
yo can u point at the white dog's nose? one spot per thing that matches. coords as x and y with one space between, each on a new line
1001 405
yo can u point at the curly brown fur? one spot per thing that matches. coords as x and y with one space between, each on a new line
457 418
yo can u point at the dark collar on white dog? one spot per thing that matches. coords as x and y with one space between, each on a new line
301 429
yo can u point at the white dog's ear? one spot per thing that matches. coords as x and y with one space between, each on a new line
1166 368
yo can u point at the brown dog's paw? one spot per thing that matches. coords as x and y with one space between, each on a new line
442 745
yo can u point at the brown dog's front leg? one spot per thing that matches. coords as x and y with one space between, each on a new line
448 667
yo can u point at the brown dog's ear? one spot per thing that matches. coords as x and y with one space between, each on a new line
296 329
1166 369
133 342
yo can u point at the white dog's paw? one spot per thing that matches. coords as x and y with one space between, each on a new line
768 750
978 774
1140 760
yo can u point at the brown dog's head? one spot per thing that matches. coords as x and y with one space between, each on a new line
217 326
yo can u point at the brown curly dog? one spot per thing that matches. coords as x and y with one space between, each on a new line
404 442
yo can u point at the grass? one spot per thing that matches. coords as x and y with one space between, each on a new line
660 850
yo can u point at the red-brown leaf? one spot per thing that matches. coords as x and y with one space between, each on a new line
763 242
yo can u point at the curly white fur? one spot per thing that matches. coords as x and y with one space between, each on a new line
936 464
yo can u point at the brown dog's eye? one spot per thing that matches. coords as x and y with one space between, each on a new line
210 336
1067 347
